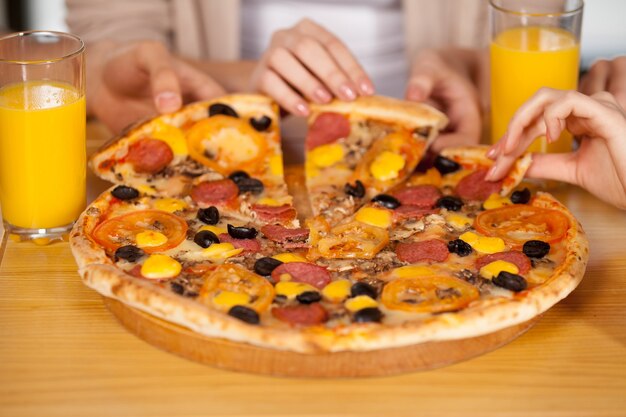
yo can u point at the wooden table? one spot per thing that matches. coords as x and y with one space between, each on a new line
63 354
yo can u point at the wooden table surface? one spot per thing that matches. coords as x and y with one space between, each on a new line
63 354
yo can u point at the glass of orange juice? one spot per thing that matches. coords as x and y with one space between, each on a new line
42 133
534 44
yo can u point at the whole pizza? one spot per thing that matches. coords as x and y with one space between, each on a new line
200 229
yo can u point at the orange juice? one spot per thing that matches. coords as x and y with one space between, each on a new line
523 60
42 154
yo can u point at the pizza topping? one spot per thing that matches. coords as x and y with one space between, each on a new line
427 250
244 314
261 124
445 165
387 201
173 136
412 271
368 315
242 232
411 212
360 302
424 196
276 165
458 221
266 265
248 245
225 300
283 213
459 247
237 279
495 201
215 229
327 128
301 314
304 272
123 192
337 291
387 166
357 190
250 185
536 249
289 257
281 234
309 297
221 251
510 281
326 155
159 266
239 176
149 155
150 239
363 288
222 109
214 192
353 240
170 205
475 187
430 294
483 244
291 289
492 269
450 203
520 260
129 253
374 217
519 223
205 238
520 196
209 215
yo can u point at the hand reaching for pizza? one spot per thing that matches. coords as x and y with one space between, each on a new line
306 62
606 76
436 80
599 165
142 79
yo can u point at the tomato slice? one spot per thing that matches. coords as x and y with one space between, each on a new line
351 240
518 223
122 230
226 144
237 279
428 294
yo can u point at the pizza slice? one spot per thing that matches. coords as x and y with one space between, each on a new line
356 150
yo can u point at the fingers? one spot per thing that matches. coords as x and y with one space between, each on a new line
154 59
195 84
556 167
286 97
596 78
617 82
607 76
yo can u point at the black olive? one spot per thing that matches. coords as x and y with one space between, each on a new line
177 288
309 297
129 253
459 247
368 315
536 248
450 203
242 232
205 238
250 185
387 201
357 190
445 165
511 282
244 313
238 176
265 266
125 193
261 124
223 109
363 288
520 196
209 215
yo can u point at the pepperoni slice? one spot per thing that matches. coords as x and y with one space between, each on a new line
149 155
427 250
214 192
302 314
515 257
314 275
474 186
282 213
419 195
281 234
327 128
248 245
411 212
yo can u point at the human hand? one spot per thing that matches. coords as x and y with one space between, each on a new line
436 81
599 165
306 62
142 79
606 76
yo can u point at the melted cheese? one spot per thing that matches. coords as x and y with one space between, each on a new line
374 217
292 289
170 204
150 239
225 300
492 269
337 291
326 155
360 302
219 251
495 201
159 266
289 257
387 166
276 165
483 244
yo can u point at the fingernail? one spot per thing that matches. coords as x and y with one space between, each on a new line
302 109
366 87
414 93
491 153
168 101
491 172
347 92
322 95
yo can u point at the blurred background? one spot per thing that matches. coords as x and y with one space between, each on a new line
603 33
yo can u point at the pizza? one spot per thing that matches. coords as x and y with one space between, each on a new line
392 256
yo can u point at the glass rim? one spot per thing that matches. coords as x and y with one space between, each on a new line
578 9
77 51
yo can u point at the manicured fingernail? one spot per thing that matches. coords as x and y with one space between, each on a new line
491 153
414 93
366 87
168 101
302 109
491 172
347 92
322 95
